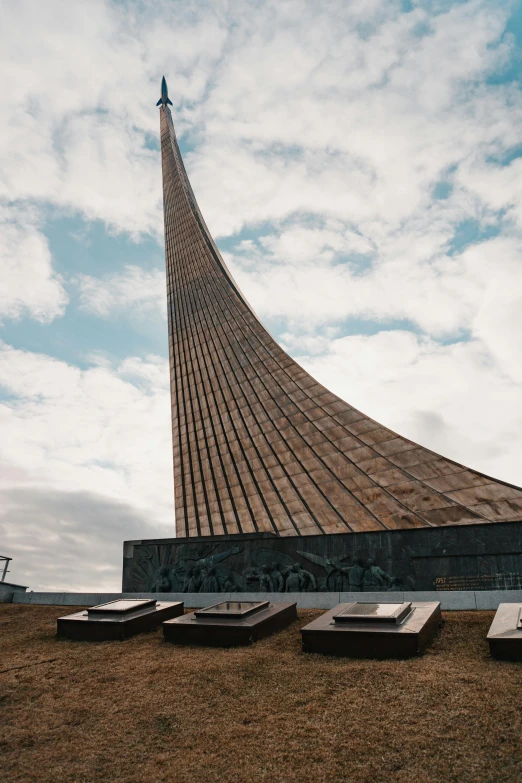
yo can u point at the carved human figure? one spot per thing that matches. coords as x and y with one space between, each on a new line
187 582
229 584
193 584
335 578
252 575
278 580
335 571
375 577
308 581
265 581
399 583
356 575
294 580
162 583
211 582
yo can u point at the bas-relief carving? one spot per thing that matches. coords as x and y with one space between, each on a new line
194 569
190 568
359 576
478 558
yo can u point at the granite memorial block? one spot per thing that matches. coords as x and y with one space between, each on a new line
117 620
373 630
230 623
505 633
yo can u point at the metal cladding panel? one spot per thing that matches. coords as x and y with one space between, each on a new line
259 445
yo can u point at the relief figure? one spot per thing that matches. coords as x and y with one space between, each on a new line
193 580
293 580
356 575
265 581
231 582
210 582
162 583
308 580
375 578
278 580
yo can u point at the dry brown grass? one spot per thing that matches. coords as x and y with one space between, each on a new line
144 710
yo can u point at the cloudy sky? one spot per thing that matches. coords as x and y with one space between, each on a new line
360 166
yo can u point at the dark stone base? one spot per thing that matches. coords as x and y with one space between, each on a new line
505 633
212 632
461 557
81 628
364 640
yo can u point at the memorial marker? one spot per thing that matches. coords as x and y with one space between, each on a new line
505 633
373 630
117 620
230 623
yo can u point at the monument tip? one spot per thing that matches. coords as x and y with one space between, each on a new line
164 100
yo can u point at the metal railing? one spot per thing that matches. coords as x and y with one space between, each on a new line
4 563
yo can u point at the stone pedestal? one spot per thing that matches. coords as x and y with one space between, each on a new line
505 633
117 620
245 622
375 630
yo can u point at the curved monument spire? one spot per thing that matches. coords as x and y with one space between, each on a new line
259 445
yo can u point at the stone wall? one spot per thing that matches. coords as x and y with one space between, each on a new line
457 558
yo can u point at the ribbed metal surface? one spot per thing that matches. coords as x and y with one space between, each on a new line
258 444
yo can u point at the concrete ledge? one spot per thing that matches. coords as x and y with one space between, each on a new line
388 597
490 599
65 599
450 600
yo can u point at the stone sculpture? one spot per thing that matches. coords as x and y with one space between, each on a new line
375 578
211 582
265 581
194 568
162 583
293 580
356 575
278 580
308 580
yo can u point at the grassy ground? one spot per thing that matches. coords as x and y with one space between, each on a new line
144 710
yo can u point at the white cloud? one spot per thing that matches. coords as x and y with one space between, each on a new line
91 432
312 116
68 540
81 83
412 278
28 284
133 290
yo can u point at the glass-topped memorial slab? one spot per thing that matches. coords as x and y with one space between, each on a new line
374 629
230 623
117 620
360 612
122 607
236 610
505 633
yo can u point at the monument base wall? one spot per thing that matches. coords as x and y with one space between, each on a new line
469 558
450 600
